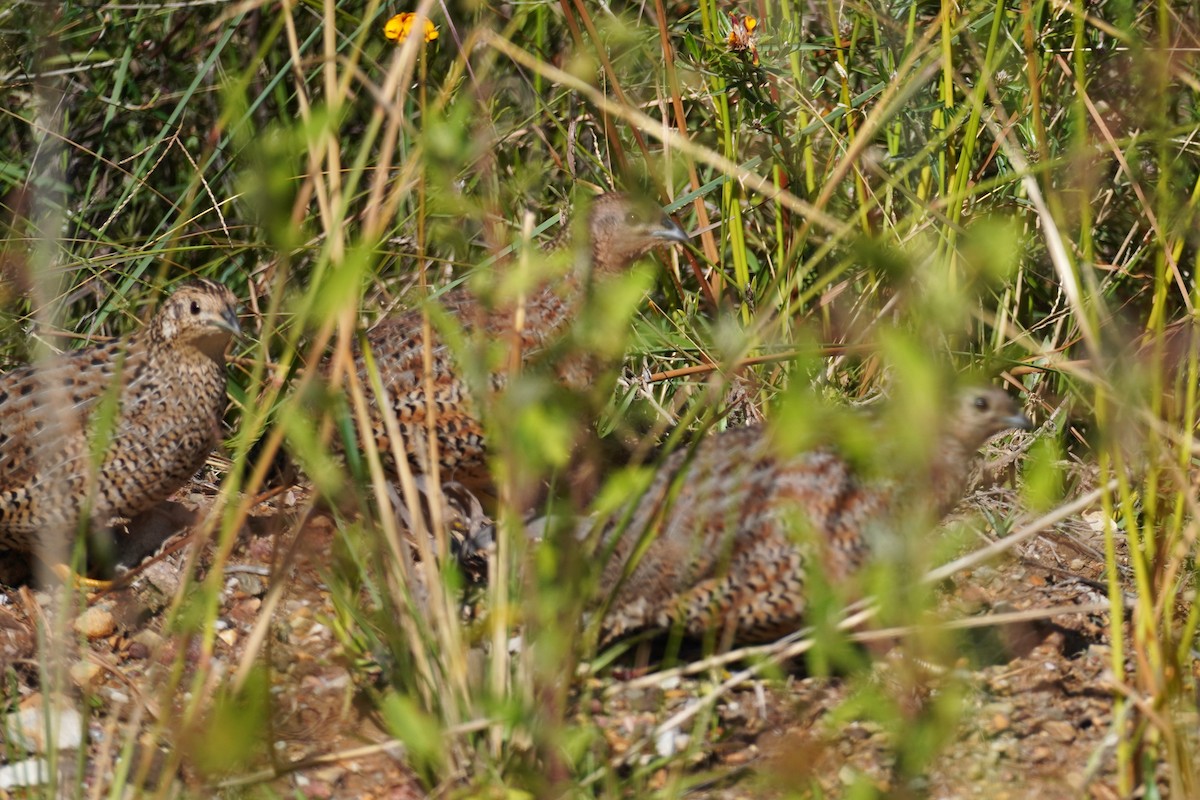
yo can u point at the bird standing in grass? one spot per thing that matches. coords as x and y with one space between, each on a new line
727 532
619 231
113 429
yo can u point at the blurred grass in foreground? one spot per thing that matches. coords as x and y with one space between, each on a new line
965 187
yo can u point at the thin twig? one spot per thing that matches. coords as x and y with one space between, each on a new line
1018 536
264 775
770 358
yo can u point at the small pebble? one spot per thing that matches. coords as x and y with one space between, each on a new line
113 696
26 729
30 772
163 577
740 757
95 623
86 675
1059 730
148 639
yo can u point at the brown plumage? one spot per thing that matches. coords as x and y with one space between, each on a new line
737 524
113 429
619 231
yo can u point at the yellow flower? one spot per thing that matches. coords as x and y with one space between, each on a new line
398 27
742 34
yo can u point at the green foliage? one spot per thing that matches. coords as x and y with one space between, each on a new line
420 732
234 729
1043 486
891 179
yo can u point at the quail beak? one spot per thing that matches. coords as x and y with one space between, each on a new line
1018 421
669 231
229 322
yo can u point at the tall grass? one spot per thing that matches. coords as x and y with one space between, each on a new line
981 185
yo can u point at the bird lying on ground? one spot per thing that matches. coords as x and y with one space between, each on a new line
619 230
113 429
727 533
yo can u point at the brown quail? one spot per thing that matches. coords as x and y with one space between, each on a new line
620 230
111 430
736 525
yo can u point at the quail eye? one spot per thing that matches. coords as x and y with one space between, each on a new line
631 218
981 403
195 308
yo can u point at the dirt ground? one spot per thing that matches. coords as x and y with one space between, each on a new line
1036 692
1036 715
